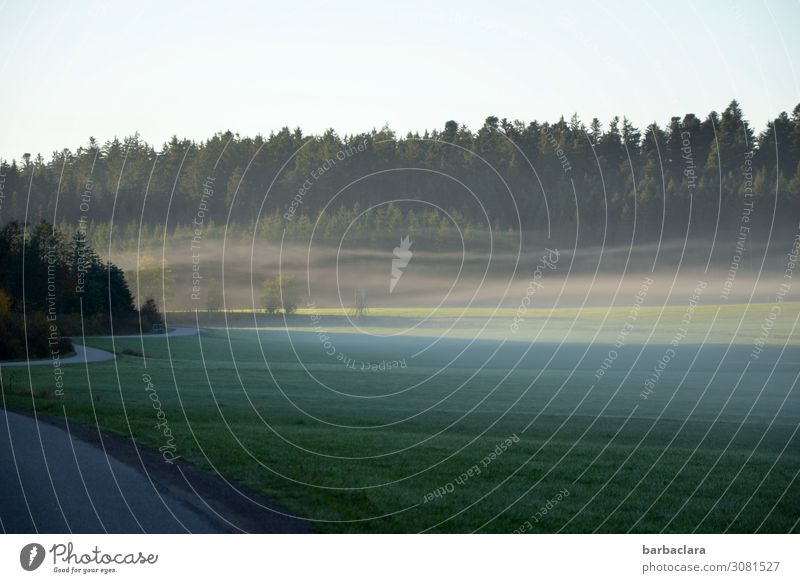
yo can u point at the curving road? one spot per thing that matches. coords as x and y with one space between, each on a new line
84 354
60 477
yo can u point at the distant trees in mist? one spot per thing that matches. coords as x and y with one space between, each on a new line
692 175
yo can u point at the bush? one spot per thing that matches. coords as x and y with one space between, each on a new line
14 328
5 303
279 293
150 316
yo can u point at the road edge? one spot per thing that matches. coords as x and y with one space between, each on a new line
194 486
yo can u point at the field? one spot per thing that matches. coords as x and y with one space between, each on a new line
462 425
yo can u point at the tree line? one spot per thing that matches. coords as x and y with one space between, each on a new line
690 176
52 288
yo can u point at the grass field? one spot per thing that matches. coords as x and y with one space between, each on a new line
471 429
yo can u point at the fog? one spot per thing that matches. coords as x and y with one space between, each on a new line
548 275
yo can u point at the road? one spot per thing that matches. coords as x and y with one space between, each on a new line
82 354
53 482
85 354
59 478
66 478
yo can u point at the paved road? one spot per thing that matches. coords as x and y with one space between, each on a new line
172 333
52 482
85 354
56 478
60 479
82 354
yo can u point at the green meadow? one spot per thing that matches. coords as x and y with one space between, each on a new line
457 423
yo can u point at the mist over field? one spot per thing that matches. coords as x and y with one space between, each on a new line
328 276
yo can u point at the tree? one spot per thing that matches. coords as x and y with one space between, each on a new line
501 155
279 293
150 316
64 292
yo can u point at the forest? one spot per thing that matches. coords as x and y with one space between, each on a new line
689 177
52 288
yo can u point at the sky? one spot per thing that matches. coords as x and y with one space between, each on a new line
70 70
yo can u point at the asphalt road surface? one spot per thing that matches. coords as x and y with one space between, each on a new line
88 354
57 477
60 478
82 354
53 482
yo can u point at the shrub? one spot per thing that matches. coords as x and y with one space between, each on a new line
279 293
44 338
150 316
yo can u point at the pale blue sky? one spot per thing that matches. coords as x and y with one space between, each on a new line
69 70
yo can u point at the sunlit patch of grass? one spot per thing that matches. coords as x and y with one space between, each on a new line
716 324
